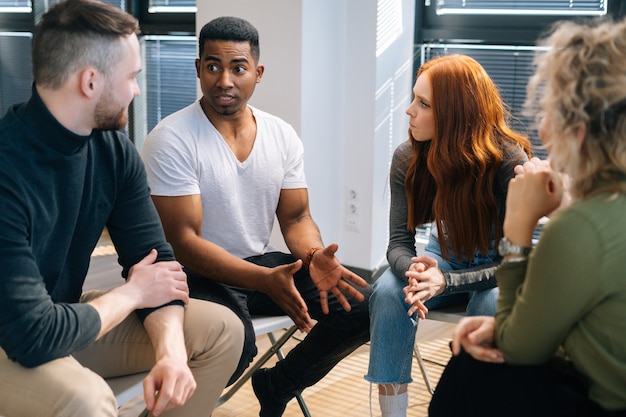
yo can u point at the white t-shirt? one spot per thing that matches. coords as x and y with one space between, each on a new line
185 155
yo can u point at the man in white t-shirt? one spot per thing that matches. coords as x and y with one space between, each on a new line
219 172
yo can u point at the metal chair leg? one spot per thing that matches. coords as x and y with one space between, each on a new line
273 350
281 356
420 362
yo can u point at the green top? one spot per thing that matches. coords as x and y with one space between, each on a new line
571 293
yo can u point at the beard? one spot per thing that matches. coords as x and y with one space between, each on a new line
226 112
110 115
210 105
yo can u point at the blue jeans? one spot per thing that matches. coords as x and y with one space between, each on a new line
392 331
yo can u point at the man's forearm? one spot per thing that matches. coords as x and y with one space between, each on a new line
165 329
302 236
112 307
170 382
214 262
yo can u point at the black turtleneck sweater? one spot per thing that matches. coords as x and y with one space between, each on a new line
57 192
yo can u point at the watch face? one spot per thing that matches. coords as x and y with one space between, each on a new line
505 247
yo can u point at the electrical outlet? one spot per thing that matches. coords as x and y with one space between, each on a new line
352 223
353 211
352 202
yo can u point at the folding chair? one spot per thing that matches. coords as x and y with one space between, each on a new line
450 314
267 325
129 386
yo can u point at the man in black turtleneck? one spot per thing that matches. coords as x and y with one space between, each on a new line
66 172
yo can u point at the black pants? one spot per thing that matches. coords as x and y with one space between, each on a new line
469 387
334 337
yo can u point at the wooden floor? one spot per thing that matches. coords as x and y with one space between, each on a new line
345 393
342 393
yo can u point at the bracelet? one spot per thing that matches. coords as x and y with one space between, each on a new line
309 255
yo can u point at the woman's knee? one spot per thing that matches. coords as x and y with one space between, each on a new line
388 300
388 285
483 303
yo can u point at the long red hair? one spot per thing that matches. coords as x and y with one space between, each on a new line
451 178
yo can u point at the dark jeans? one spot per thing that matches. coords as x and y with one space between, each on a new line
469 387
334 336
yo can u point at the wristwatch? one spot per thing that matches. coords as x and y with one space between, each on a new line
505 247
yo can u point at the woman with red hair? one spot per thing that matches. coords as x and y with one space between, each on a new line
452 173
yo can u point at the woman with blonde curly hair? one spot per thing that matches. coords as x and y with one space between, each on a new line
453 171
557 344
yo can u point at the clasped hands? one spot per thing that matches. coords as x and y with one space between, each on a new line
475 333
425 281
536 191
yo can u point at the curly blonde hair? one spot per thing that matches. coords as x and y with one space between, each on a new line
580 82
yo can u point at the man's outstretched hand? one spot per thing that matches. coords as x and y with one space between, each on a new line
280 287
329 275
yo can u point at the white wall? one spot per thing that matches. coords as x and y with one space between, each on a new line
323 75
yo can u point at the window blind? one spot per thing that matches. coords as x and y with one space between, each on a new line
120 4
15 69
538 7
169 79
388 23
171 6
14 3
172 3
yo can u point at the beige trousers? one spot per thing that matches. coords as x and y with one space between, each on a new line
74 385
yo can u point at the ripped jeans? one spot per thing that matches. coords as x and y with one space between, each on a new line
392 331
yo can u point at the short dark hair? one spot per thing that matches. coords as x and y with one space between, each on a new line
229 28
76 33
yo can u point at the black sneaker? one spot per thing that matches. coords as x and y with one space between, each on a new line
262 386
